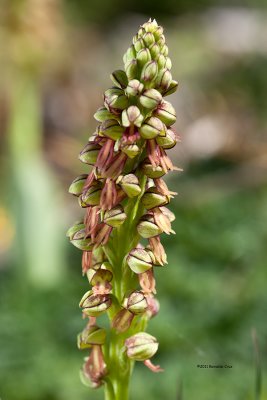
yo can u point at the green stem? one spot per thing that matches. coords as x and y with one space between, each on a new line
109 391
124 239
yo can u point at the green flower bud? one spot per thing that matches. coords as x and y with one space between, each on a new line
150 26
115 217
129 55
131 150
171 89
79 240
149 71
161 61
139 45
164 79
89 153
161 40
141 31
94 305
141 346
153 198
132 116
151 171
158 31
112 129
135 302
112 92
130 185
131 69
91 196
151 128
102 114
77 185
143 56
154 50
168 141
119 78
168 63
101 276
91 336
150 98
147 228
75 228
149 39
135 38
134 87
115 99
165 50
166 113
139 260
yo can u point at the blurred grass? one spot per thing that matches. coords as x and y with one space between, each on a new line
213 291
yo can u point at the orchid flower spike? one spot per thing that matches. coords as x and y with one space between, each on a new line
125 200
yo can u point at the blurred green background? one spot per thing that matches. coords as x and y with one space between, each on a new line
56 57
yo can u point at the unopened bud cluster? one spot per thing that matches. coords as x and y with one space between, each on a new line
127 159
